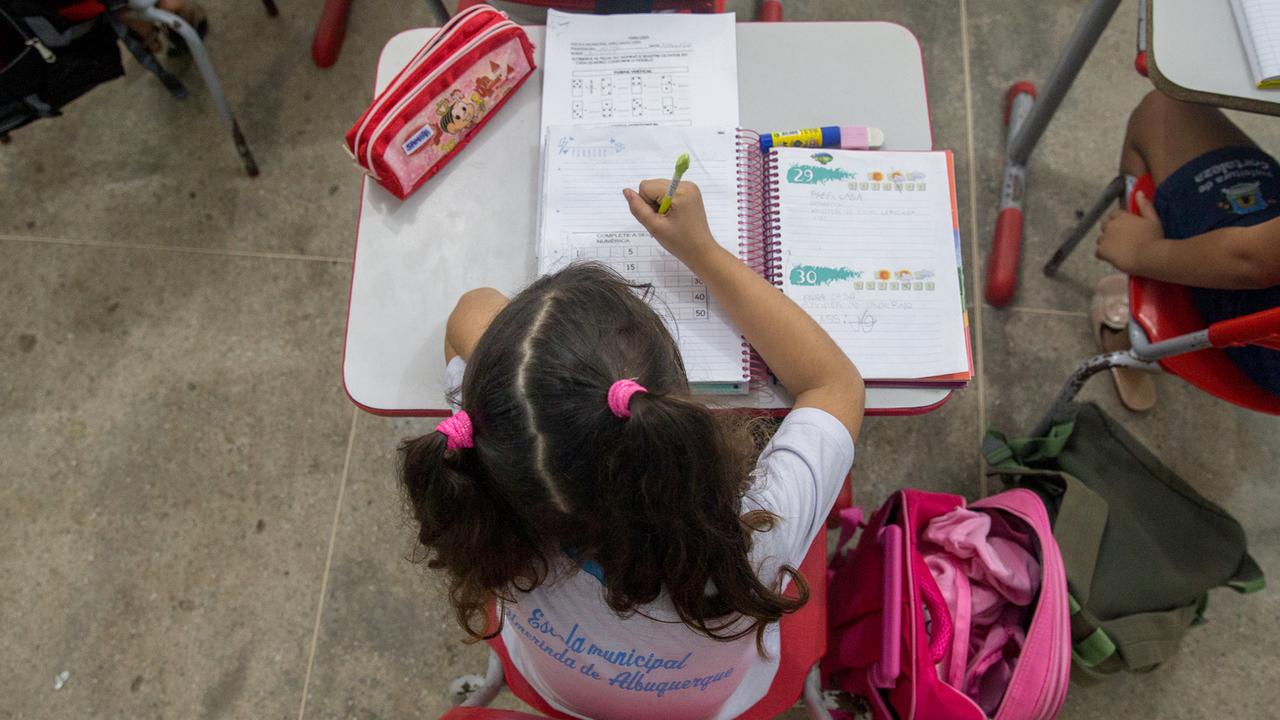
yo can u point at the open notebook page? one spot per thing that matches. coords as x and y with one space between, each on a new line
1259 25
585 217
868 249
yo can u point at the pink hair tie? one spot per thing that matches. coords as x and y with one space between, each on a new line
457 431
620 396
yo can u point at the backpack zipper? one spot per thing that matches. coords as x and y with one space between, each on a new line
386 120
45 52
30 41
413 64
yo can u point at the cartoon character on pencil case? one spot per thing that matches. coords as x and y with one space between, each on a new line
459 113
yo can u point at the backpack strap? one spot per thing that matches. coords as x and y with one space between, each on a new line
1248 577
51 36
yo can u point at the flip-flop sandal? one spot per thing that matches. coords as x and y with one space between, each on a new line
1109 318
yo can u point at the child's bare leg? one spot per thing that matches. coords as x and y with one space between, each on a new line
1164 134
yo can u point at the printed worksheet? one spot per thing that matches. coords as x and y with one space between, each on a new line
585 217
652 69
870 249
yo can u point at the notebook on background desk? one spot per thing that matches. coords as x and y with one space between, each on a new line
865 242
1259 25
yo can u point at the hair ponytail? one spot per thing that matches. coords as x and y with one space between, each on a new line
467 530
684 528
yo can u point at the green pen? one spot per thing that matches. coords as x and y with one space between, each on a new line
682 164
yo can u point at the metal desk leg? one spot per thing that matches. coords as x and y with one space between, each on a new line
1027 117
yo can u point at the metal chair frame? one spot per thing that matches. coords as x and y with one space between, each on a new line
147 10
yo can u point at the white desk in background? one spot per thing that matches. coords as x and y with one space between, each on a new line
1195 54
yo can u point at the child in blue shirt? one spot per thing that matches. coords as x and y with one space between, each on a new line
1215 221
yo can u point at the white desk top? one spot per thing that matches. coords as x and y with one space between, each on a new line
472 224
1195 54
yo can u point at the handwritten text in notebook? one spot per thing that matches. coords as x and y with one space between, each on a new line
585 217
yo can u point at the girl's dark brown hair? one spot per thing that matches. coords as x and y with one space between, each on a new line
655 500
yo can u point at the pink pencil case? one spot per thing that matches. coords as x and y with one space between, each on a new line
441 99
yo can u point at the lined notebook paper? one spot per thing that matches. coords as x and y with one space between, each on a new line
585 217
868 244
1259 24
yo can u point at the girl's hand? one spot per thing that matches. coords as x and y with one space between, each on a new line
683 231
1126 237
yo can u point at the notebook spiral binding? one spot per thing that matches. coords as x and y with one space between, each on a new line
757 230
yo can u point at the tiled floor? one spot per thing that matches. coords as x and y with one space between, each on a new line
197 524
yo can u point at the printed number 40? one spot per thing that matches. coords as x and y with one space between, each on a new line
800 175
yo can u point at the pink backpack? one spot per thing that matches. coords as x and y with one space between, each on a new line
890 628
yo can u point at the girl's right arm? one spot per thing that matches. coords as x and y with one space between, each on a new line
799 352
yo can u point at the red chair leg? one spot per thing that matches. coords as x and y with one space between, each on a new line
330 31
770 11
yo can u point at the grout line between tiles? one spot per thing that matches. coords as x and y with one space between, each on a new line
328 561
1048 311
178 249
980 384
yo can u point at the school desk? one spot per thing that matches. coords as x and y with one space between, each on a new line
1195 54
474 224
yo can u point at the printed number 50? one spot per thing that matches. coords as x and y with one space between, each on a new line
800 175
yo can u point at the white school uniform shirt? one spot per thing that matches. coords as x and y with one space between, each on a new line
588 662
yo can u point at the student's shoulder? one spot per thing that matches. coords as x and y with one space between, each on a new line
810 430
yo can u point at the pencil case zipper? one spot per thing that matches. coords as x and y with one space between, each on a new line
409 96
406 73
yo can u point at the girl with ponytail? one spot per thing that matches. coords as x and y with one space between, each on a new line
638 548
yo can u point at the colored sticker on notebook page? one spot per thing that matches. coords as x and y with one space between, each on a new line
817 174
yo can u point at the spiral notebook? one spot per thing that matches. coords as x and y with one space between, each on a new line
866 242
1259 24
